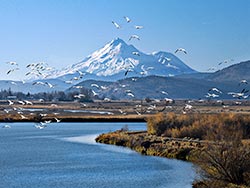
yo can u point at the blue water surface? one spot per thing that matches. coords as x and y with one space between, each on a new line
65 155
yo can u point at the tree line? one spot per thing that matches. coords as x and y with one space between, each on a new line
86 96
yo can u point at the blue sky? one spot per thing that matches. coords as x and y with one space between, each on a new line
64 32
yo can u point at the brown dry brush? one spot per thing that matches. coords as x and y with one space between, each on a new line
222 164
197 125
225 161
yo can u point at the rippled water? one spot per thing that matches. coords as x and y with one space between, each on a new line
65 155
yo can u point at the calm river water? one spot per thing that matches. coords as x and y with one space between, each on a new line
65 155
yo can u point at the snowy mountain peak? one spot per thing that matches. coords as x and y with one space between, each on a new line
116 42
117 59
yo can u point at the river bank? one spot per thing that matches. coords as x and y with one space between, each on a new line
71 118
153 145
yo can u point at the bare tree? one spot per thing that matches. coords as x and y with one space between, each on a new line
225 160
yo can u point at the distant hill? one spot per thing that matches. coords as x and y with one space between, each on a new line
234 72
197 75
158 87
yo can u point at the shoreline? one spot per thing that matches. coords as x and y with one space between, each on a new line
73 118
151 145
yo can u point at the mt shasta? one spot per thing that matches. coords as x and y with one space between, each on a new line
117 59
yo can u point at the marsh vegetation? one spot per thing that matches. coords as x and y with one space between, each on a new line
217 143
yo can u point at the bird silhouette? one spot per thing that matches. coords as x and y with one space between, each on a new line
116 25
127 19
181 50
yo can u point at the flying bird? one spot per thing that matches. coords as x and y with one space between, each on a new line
163 59
12 70
188 107
134 37
40 126
211 69
127 71
104 87
181 50
95 85
6 111
10 102
127 19
12 63
58 120
6 126
209 95
21 102
131 94
243 82
164 92
168 59
215 89
81 74
49 84
68 81
30 65
240 94
79 96
116 25
136 53
225 61
23 117
138 113
94 93
138 27
78 87
161 110
107 99
38 83
28 102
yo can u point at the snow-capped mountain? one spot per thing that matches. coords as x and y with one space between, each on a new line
117 60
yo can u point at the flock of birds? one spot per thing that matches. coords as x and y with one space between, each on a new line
41 70
135 36
35 70
14 108
215 92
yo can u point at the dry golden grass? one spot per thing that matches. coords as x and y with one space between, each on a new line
200 125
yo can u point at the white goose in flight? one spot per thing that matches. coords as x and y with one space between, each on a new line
134 37
136 53
12 63
116 25
127 19
243 82
138 27
215 89
6 126
10 102
181 50
12 70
